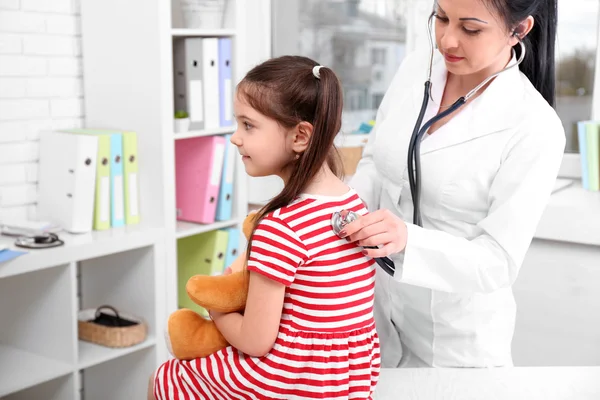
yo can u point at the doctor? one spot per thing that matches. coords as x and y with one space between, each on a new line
487 172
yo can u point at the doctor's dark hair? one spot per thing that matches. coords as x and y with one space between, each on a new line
538 64
286 90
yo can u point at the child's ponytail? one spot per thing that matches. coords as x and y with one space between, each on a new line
290 90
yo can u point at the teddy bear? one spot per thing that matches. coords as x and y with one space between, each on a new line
190 335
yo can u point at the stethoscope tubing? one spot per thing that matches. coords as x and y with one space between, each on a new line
414 146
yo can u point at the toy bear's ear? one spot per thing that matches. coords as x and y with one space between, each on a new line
249 223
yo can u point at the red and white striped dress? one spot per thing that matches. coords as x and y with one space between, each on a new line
327 346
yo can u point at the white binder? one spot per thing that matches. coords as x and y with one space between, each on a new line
67 180
210 71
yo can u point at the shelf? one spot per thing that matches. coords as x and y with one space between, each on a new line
22 370
207 132
185 229
91 354
80 247
202 32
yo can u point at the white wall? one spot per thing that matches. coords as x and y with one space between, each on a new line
40 88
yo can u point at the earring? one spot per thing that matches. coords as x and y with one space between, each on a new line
297 156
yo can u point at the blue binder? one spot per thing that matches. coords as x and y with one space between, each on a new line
233 245
225 83
117 206
225 202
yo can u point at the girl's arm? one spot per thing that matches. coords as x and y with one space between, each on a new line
275 254
254 333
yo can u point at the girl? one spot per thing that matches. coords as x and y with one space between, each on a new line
308 330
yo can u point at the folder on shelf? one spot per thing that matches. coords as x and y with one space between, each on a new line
210 71
225 202
233 245
102 191
114 140
67 180
198 170
225 83
202 254
130 173
188 80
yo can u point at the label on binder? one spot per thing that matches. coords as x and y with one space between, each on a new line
196 101
105 199
118 197
133 195
231 153
228 100
217 165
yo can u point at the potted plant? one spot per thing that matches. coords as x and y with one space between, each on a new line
182 121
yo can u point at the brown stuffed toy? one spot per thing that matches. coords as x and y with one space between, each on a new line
189 335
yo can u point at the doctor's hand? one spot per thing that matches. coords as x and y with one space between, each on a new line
382 229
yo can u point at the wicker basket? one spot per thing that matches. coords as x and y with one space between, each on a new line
110 336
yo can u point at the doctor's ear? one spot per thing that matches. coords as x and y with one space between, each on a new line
301 136
521 30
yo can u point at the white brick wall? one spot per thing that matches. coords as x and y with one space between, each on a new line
40 89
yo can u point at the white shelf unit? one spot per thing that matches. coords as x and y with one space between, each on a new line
207 132
127 51
179 32
41 293
128 85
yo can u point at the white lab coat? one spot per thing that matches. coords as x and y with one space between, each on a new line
486 177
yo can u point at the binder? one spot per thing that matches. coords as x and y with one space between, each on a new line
225 202
202 254
233 245
67 180
117 201
102 191
188 80
225 84
130 174
198 171
210 73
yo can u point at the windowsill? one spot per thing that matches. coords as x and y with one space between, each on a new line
572 215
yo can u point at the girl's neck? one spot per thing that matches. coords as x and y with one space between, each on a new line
326 183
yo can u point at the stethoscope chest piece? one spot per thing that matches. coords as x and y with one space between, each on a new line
340 219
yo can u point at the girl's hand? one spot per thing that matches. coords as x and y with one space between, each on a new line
215 315
380 228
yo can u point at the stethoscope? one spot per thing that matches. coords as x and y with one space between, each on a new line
414 146
40 241
340 219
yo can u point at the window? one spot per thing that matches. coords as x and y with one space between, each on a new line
366 40
363 41
378 56
576 47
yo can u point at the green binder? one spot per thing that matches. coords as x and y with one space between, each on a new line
199 254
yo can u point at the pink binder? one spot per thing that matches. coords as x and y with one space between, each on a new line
198 169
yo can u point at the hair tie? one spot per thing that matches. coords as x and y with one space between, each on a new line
316 69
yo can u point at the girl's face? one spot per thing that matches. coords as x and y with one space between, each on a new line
471 37
265 146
